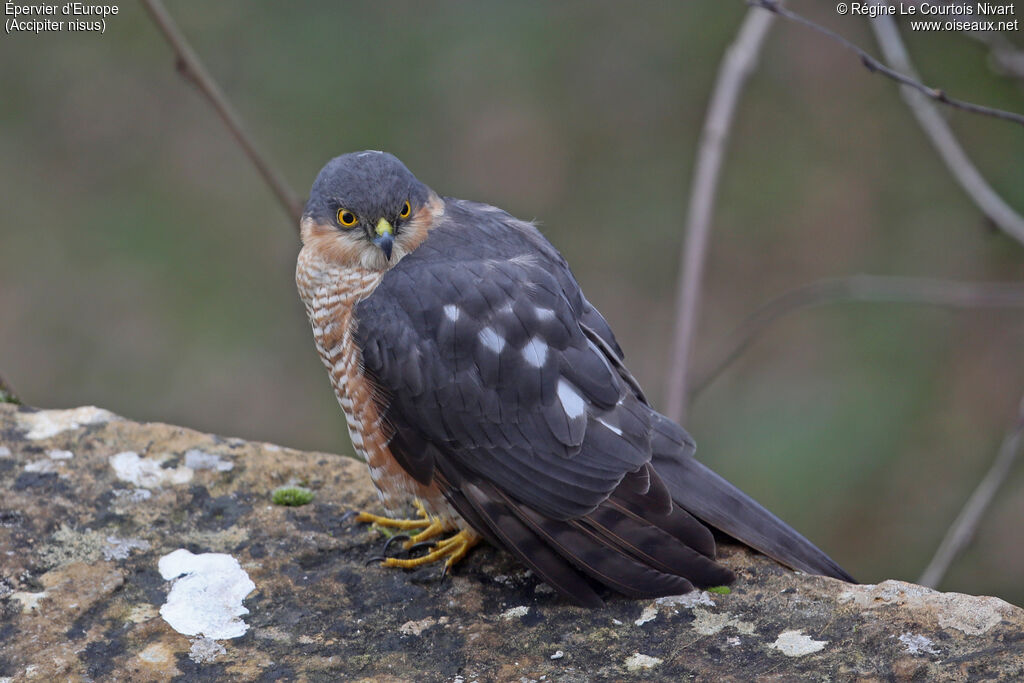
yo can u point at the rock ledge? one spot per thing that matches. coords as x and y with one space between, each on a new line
93 502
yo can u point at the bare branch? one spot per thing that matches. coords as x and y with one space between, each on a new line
191 67
739 62
862 288
1004 57
872 64
965 526
942 138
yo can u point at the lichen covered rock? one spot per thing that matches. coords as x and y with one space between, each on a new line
92 502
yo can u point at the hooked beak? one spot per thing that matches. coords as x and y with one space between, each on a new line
385 238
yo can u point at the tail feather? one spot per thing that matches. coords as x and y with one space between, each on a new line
652 546
528 546
715 501
593 555
678 523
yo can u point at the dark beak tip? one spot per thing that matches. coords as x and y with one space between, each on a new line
385 242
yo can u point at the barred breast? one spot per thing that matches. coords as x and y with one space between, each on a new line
330 294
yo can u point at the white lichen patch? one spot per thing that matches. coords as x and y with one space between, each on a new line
5 452
29 601
69 545
121 548
54 459
43 466
196 459
709 623
132 495
967 613
639 662
147 472
687 600
207 598
46 423
414 628
918 645
516 612
558 655
650 613
205 650
796 644
972 615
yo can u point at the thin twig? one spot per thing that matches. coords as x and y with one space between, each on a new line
965 526
942 138
739 62
1005 58
872 64
191 67
861 288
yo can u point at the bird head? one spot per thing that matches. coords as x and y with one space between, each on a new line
367 210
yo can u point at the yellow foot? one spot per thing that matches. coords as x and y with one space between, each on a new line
423 521
451 550
429 526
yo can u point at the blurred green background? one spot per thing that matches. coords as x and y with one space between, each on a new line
145 267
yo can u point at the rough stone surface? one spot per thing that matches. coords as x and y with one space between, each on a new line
81 589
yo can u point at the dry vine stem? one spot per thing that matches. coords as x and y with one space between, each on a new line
884 289
192 68
873 65
739 62
965 526
942 138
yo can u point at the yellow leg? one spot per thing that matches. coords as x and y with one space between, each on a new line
425 521
433 530
451 549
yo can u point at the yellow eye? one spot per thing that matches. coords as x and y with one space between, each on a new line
346 218
406 210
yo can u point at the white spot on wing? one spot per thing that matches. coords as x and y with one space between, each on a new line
544 313
572 402
451 311
535 352
612 428
489 338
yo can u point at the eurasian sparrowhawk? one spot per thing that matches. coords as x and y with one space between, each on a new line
480 385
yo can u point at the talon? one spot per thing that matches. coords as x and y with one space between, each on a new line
377 558
347 516
396 537
451 550
420 546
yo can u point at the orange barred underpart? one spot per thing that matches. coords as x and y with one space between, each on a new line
330 293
